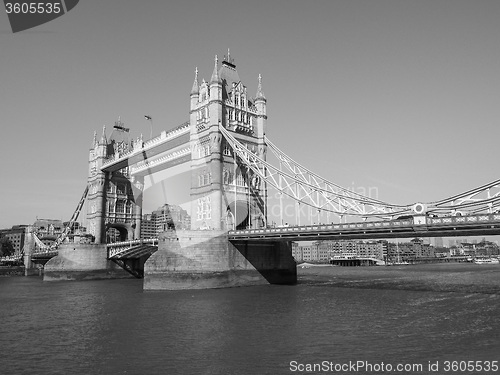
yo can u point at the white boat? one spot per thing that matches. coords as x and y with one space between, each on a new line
486 261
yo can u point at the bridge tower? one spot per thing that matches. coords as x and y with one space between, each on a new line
224 193
114 198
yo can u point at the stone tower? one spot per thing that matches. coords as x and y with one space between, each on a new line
113 200
224 193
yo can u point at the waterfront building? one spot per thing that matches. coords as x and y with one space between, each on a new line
464 249
306 253
295 251
409 251
323 251
487 248
16 236
370 250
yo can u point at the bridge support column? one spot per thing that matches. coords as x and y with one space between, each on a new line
206 259
29 244
82 262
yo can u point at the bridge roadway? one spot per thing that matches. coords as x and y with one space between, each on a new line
418 226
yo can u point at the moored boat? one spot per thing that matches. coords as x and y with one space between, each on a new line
486 261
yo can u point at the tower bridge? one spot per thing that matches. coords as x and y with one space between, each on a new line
233 167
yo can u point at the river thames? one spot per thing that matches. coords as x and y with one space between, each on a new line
424 319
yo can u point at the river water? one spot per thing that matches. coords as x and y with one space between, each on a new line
415 315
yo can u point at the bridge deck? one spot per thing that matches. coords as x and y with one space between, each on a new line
474 225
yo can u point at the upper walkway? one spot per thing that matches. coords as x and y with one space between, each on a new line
152 152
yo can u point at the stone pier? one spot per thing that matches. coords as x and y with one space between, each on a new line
191 259
82 262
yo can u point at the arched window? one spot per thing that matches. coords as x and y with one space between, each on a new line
240 181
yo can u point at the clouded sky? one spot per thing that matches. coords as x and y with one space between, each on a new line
401 96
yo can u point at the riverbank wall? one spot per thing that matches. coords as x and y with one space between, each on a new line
11 271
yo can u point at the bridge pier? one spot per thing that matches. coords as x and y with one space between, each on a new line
82 262
191 259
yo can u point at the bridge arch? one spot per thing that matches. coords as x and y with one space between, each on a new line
116 232
238 214
241 214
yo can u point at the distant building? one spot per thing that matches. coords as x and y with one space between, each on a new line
148 226
47 230
409 251
323 251
487 248
165 217
16 236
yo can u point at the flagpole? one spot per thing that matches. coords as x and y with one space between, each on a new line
150 119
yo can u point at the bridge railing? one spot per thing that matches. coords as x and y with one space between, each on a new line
116 248
11 258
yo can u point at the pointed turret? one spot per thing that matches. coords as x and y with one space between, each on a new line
103 140
260 93
261 104
196 88
195 91
215 74
215 82
94 141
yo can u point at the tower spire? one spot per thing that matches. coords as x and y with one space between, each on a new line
103 140
260 93
228 58
94 142
215 75
195 89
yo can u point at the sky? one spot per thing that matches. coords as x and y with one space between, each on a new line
395 97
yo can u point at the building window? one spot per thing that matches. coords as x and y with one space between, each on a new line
204 210
120 206
205 179
204 150
240 181
121 189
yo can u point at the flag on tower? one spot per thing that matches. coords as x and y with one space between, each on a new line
148 117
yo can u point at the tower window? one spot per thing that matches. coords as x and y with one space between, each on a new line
120 206
121 189
204 150
204 209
